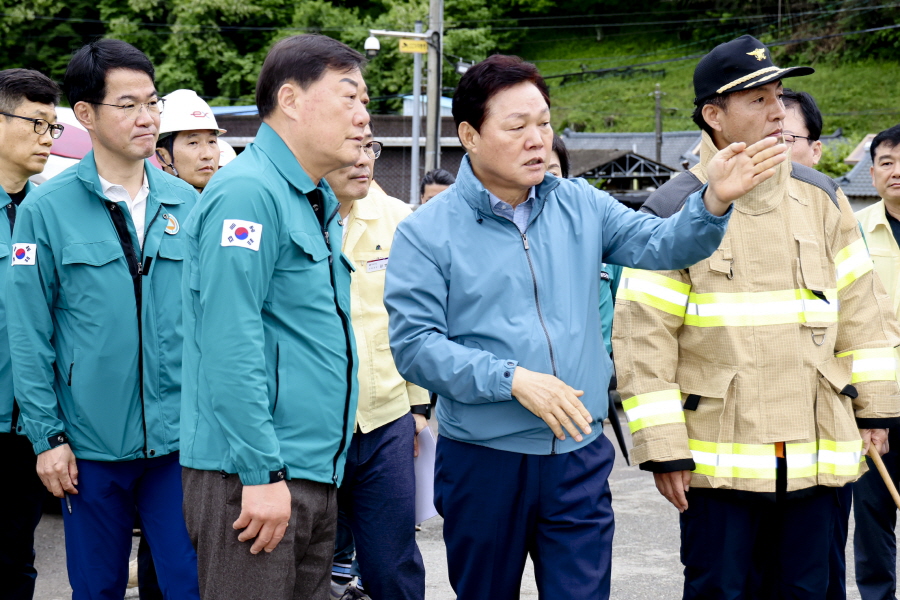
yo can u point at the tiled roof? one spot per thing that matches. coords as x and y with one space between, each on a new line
858 182
676 144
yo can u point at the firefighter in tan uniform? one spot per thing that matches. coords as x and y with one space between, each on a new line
755 380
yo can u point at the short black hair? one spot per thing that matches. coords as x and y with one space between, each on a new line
888 137
85 78
436 177
483 81
719 100
812 116
19 85
559 146
302 59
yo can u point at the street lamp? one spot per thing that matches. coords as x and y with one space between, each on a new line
372 47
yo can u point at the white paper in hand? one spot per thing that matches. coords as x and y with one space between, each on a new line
425 477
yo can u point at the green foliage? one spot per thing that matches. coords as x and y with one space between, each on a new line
833 155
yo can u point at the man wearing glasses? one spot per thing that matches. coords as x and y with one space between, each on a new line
95 324
378 494
28 102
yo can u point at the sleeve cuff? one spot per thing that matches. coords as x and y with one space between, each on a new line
264 477
669 466
704 214
508 371
886 423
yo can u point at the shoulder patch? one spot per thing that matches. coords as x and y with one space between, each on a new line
244 234
820 180
23 254
671 196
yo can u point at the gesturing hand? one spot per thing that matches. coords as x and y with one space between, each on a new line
737 169
265 512
553 401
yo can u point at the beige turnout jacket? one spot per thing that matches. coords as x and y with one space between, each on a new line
782 341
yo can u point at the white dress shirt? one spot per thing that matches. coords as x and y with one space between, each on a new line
137 206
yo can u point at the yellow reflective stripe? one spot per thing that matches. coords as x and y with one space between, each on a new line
760 308
654 408
873 364
655 290
758 461
852 262
665 419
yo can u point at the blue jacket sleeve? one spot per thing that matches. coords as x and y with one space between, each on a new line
233 282
30 293
415 294
643 241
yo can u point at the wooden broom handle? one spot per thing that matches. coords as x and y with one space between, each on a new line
876 458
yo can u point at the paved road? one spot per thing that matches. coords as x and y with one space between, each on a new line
645 550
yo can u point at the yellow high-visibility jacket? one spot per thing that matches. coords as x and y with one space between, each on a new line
384 396
782 340
885 253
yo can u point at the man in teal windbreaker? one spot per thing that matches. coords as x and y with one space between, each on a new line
270 370
28 127
94 307
492 293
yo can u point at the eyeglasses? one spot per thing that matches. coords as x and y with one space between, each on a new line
41 126
790 138
133 109
372 149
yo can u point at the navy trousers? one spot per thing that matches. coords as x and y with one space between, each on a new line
499 507
378 497
874 541
23 499
98 532
837 577
739 546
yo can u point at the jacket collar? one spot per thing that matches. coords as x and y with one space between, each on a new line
4 197
878 217
761 199
160 189
271 144
474 193
367 209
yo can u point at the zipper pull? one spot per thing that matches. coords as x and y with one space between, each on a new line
525 240
327 238
140 268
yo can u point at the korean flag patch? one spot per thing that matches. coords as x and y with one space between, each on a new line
23 254
245 234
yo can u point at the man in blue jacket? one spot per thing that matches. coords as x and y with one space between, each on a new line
28 102
270 368
95 317
492 293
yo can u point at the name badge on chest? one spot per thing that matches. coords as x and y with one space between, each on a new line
379 264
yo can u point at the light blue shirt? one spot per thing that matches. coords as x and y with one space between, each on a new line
518 215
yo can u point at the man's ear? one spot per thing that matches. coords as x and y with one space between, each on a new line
289 98
468 136
817 151
84 112
712 115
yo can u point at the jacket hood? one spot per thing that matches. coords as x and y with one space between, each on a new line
476 195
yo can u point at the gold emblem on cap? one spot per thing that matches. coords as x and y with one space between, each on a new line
758 54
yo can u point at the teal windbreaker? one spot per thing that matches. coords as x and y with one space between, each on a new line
6 379
269 359
72 305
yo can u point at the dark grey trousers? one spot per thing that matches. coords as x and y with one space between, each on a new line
298 569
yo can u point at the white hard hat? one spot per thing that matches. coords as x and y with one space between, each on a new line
184 110
226 153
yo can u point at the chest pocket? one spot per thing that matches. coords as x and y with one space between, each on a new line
171 249
312 246
812 274
4 250
91 272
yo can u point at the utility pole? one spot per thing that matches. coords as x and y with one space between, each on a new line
433 120
416 124
658 97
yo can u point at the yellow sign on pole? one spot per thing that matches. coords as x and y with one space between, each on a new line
413 46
